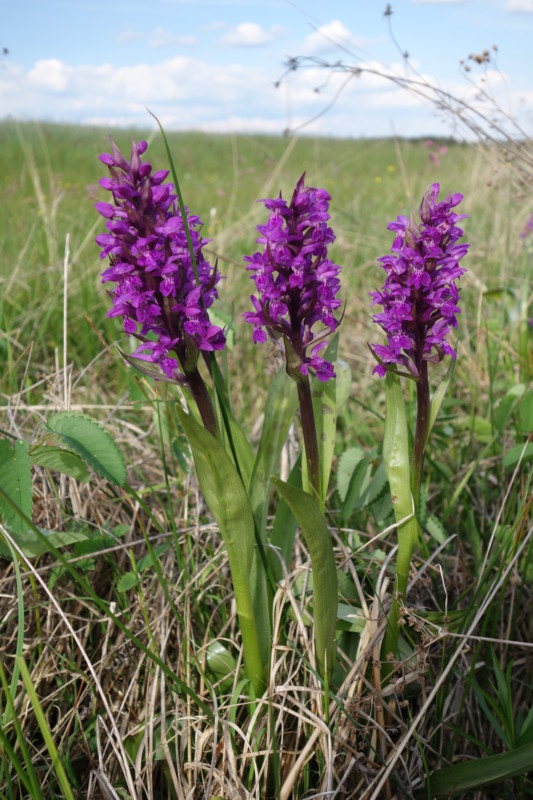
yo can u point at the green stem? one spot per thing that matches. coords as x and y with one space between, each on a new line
309 433
421 432
203 402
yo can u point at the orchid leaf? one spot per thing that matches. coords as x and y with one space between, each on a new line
397 464
438 397
227 500
474 774
318 540
324 394
280 408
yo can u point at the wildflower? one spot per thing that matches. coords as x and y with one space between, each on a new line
161 295
420 296
528 228
297 284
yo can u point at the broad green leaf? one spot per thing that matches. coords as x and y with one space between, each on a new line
507 405
227 500
344 383
517 453
284 526
318 540
280 408
350 618
438 397
243 450
397 464
525 414
325 412
15 481
92 442
479 425
60 460
33 545
473 775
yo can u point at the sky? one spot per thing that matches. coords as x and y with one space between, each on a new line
222 65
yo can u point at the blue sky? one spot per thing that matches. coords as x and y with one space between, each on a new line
212 65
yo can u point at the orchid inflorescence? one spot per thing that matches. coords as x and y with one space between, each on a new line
161 291
297 284
420 295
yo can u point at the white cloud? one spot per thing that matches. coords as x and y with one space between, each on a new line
329 37
248 34
50 75
191 94
130 36
520 5
163 38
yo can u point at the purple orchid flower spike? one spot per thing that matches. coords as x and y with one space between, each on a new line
161 292
297 284
420 296
158 294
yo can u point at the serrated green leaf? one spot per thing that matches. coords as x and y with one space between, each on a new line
359 483
127 581
374 489
60 460
347 464
92 442
15 481
147 561
435 528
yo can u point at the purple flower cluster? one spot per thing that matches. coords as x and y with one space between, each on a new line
420 295
157 292
296 283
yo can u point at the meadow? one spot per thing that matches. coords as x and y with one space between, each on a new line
120 647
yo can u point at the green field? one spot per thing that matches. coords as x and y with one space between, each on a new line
103 642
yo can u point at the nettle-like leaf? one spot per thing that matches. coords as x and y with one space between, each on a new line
15 482
59 460
348 462
92 442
